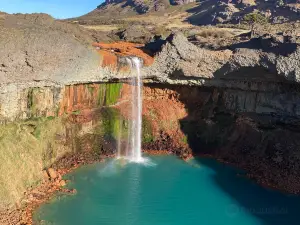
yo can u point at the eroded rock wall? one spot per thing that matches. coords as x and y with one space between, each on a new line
253 125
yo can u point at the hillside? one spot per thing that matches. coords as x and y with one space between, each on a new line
198 13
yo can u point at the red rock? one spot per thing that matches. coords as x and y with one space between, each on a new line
111 52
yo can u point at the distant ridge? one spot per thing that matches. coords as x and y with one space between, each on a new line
201 12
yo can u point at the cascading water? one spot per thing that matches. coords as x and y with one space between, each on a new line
134 150
119 144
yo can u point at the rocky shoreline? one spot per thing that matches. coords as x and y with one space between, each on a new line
52 183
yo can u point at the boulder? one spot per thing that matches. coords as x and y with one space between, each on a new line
52 174
62 183
135 34
45 175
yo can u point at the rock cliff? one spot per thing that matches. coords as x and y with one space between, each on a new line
41 52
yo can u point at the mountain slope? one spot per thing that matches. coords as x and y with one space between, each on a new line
116 9
202 12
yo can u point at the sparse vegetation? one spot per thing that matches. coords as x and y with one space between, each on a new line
25 149
215 33
254 18
147 135
185 140
112 124
112 93
280 2
108 94
161 30
105 28
76 112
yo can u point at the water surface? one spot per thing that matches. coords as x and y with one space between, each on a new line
172 192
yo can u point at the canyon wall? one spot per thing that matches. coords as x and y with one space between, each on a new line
254 126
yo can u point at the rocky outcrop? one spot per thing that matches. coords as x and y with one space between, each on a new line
260 64
135 34
179 61
38 48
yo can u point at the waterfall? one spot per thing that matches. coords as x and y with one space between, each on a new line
119 137
134 151
137 112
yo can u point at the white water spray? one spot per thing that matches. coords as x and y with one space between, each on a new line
136 133
119 137
134 153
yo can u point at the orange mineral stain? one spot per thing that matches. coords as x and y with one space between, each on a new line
111 51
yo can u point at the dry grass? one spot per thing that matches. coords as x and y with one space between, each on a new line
295 5
148 19
179 24
249 2
215 33
26 148
106 28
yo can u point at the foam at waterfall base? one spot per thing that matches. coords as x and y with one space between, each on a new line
142 160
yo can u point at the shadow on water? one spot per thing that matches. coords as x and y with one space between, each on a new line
269 206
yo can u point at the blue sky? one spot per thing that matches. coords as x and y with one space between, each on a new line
57 8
